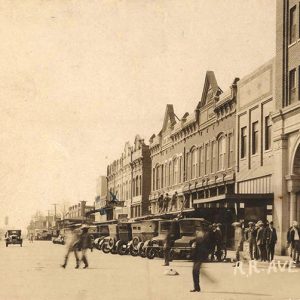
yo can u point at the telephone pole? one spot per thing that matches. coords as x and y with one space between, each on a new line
54 213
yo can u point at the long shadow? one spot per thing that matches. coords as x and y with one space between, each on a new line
239 293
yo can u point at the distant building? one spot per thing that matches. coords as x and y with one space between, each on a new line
102 214
79 212
129 180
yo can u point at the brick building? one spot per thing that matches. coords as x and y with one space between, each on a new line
129 178
286 121
195 156
254 153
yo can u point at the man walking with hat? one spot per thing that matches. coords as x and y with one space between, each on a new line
83 245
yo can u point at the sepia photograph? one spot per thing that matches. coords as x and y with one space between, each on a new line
150 149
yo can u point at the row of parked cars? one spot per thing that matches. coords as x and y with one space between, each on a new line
146 238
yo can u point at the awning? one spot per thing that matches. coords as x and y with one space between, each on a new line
214 199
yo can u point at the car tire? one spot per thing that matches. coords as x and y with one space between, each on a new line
105 248
133 251
151 253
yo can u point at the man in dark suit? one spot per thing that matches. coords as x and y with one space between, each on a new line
261 241
271 240
199 254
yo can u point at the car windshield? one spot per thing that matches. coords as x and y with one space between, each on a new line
104 229
189 226
165 226
11 232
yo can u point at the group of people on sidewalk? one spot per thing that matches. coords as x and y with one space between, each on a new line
262 238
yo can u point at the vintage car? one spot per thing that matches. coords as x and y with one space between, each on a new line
182 247
119 236
155 247
59 240
103 231
13 237
142 232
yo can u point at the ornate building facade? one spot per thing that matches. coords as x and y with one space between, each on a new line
195 156
129 179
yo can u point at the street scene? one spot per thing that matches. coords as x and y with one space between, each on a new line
150 149
33 272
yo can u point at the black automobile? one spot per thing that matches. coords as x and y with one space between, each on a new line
13 237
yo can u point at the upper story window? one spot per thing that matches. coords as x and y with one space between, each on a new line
222 151
268 132
254 137
243 142
292 25
292 86
194 163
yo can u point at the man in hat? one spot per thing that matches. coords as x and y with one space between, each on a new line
72 241
83 244
271 240
261 241
160 201
251 237
174 201
199 254
295 241
166 202
239 240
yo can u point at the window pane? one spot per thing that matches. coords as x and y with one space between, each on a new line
254 137
292 24
243 142
292 86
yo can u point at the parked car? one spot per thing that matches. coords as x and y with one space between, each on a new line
109 242
142 232
119 236
155 247
13 237
182 247
59 240
103 231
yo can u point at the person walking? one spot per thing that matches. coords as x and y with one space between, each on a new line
71 244
167 247
199 254
271 240
239 240
83 245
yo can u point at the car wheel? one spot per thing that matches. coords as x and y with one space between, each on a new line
133 251
105 248
151 253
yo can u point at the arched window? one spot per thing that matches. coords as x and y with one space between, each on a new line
169 173
140 180
133 187
137 184
157 177
222 152
188 166
194 163
175 172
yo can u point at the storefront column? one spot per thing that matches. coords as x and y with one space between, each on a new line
293 207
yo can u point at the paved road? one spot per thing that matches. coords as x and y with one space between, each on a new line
33 273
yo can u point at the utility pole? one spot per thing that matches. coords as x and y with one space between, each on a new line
54 213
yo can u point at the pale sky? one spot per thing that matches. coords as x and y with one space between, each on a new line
80 78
